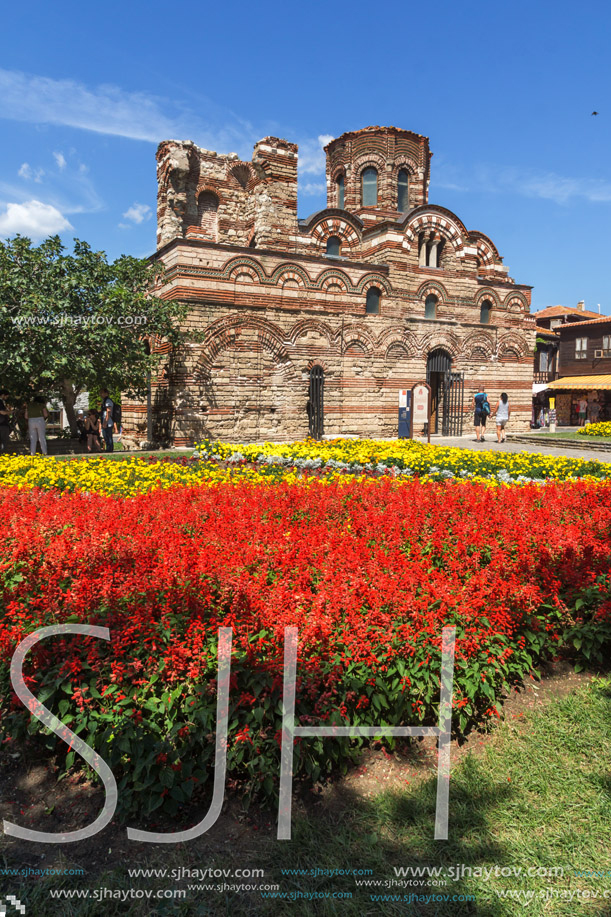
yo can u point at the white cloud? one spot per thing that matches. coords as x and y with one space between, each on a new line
561 189
138 213
108 109
545 185
33 219
105 109
312 188
26 171
311 155
60 159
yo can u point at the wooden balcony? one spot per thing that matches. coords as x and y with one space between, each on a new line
542 378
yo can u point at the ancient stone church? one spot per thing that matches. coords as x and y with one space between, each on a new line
313 326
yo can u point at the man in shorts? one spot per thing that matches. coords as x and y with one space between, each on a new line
583 410
479 418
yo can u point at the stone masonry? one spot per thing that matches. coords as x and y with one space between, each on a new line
372 290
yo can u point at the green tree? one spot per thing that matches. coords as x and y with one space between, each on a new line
74 322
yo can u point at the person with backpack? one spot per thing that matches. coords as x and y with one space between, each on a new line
482 410
502 416
107 419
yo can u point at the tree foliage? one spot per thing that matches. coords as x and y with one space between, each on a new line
74 322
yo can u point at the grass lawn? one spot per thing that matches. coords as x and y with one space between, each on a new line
118 456
559 434
535 794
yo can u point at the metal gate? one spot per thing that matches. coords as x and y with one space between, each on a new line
453 395
447 393
316 402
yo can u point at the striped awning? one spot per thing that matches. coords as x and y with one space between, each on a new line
581 383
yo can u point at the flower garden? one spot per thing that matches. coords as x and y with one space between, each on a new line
369 549
596 429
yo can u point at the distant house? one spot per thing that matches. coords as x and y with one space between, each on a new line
585 367
555 359
572 361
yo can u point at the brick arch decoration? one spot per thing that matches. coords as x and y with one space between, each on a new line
396 351
394 338
237 266
291 278
434 222
443 340
404 162
432 288
335 226
373 280
241 173
305 325
332 277
355 348
478 341
490 295
289 271
487 252
509 354
322 363
516 302
356 334
366 159
239 274
224 332
210 187
514 344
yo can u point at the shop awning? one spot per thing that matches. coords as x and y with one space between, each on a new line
580 383
539 387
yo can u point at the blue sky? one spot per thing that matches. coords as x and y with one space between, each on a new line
504 92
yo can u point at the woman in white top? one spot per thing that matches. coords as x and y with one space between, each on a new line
502 416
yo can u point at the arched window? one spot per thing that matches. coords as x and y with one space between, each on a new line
369 187
334 244
207 210
484 312
430 306
402 189
340 191
372 303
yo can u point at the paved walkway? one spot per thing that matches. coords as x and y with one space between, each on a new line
544 448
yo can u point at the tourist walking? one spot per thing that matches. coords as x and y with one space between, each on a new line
502 416
583 410
5 423
92 429
593 411
482 410
107 419
36 415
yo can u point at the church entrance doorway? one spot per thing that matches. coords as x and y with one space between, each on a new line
315 405
447 394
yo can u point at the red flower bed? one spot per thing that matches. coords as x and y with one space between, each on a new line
369 574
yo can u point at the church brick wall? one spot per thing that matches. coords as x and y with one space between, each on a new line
266 302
